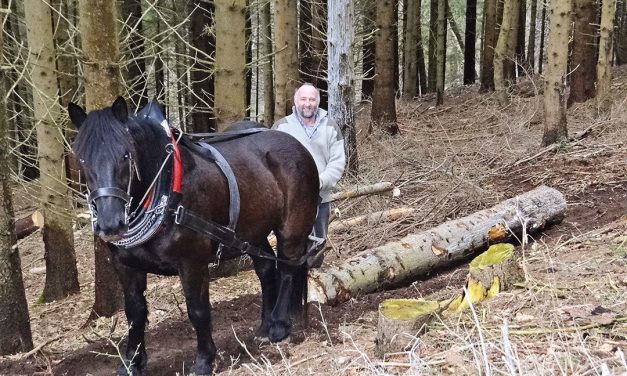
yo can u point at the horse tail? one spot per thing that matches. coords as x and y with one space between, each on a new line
298 300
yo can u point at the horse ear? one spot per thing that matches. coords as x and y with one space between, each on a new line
120 111
77 114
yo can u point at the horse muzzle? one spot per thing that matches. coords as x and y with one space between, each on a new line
110 218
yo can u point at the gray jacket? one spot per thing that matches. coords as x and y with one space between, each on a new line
326 145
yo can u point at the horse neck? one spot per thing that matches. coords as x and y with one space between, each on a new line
151 154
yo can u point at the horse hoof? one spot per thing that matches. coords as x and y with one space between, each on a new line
262 331
129 371
202 370
278 332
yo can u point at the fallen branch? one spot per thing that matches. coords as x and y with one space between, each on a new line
372 218
419 254
366 190
27 225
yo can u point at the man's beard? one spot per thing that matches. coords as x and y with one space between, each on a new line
310 115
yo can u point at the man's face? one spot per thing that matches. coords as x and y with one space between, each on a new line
307 102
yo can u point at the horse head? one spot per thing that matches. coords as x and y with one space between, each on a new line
110 147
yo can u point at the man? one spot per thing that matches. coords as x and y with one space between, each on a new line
322 137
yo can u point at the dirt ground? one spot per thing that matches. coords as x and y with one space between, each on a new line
448 162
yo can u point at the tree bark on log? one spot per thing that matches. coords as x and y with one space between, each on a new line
27 225
416 255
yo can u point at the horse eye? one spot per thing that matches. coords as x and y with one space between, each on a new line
81 161
126 156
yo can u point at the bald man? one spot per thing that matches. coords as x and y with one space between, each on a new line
312 126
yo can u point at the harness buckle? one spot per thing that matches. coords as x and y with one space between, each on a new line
178 214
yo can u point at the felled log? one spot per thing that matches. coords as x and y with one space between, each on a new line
400 321
416 255
372 218
493 271
27 225
367 190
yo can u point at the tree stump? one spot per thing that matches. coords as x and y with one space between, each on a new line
493 271
400 321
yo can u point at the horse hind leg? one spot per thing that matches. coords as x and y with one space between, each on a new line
267 274
292 290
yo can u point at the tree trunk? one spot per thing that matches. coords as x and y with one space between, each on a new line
29 224
604 65
341 40
490 35
383 111
61 271
433 32
440 53
230 63
380 187
417 255
555 78
400 322
410 49
369 24
286 56
531 44
421 77
135 74
266 51
521 62
16 334
542 36
584 52
203 85
470 36
312 46
454 28
621 32
100 47
504 52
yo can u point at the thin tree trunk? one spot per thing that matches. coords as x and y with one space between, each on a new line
421 77
490 35
504 50
369 16
542 36
204 43
341 40
621 32
454 28
441 52
230 63
266 51
584 52
383 111
312 45
521 62
555 78
61 270
604 65
531 44
286 56
433 32
100 47
410 49
470 36
16 333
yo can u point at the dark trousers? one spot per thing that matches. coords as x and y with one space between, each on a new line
320 230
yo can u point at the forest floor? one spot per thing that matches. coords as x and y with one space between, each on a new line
448 162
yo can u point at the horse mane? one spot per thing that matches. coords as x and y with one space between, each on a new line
102 133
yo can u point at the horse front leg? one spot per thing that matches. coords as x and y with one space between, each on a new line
280 317
136 310
195 281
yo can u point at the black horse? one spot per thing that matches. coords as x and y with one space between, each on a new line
154 193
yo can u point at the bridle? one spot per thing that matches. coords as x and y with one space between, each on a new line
91 196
